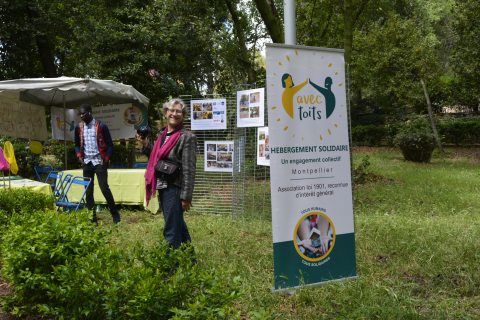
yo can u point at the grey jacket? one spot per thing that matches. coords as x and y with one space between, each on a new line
183 153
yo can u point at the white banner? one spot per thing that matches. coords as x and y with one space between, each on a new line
312 211
121 120
209 114
251 108
263 147
22 120
219 156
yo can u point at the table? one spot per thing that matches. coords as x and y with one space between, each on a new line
127 186
36 186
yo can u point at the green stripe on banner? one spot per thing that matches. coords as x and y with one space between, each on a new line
290 266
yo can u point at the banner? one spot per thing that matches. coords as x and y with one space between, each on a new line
209 114
251 108
312 209
219 156
121 120
263 147
22 120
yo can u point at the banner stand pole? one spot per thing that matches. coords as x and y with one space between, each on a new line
3 176
65 129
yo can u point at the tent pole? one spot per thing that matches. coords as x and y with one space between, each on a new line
65 129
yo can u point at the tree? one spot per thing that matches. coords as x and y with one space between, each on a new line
466 57
272 19
394 59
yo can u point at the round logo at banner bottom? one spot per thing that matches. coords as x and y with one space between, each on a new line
132 115
314 236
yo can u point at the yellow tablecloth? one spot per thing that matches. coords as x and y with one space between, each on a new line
127 185
30 184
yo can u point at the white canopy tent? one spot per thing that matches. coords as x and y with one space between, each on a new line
69 92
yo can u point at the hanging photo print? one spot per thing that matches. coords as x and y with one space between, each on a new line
219 156
209 114
250 108
263 147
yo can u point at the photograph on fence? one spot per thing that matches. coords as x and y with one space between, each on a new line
251 108
263 147
209 114
219 156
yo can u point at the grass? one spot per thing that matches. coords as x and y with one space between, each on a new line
417 246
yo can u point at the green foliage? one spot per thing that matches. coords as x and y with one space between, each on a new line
120 153
416 147
370 134
466 57
58 151
60 266
460 132
38 242
19 200
360 172
26 160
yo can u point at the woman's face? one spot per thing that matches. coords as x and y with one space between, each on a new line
174 116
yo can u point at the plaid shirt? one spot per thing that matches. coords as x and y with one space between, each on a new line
91 153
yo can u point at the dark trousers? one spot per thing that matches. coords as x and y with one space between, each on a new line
175 231
89 171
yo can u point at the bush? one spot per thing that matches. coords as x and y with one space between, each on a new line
416 147
26 160
137 284
58 151
18 199
34 245
371 134
59 266
460 132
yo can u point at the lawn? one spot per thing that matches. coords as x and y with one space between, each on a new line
417 246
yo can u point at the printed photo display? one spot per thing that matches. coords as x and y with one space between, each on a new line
250 108
209 114
263 147
219 156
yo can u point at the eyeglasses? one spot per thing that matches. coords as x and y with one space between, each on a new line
175 111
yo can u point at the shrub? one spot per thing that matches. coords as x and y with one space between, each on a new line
370 134
59 266
26 160
417 147
18 199
460 132
58 151
34 245
137 283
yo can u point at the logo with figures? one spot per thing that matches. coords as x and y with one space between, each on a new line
132 116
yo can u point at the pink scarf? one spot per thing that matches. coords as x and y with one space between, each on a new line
3 162
158 153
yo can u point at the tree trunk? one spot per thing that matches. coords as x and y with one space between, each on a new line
241 40
46 55
269 15
160 115
430 113
347 14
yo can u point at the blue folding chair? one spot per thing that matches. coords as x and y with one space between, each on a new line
54 175
140 165
61 187
119 165
68 205
42 169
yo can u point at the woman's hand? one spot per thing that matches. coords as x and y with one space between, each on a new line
307 244
143 140
324 246
186 205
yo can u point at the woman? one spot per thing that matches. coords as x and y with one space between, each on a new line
179 146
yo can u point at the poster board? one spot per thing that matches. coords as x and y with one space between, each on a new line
208 114
121 120
312 206
219 156
22 120
251 108
263 147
